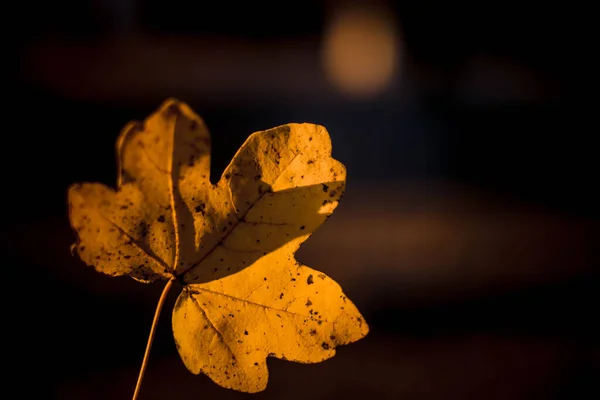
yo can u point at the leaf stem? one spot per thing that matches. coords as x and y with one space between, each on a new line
159 307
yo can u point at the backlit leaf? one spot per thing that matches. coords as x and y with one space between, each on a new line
231 245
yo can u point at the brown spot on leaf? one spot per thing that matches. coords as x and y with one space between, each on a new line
138 127
173 110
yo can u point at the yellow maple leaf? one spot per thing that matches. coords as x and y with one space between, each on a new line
231 245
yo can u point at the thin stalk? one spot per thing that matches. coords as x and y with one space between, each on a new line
159 307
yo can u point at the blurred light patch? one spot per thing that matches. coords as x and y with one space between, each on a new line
361 50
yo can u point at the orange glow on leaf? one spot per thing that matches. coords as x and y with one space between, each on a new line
230 244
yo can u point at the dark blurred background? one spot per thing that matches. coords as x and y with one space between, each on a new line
468 234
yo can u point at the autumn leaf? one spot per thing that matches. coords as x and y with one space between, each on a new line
231 245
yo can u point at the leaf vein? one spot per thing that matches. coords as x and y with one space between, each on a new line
147 252
212 324
197 290
239 219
